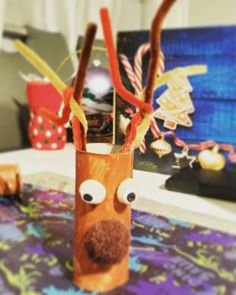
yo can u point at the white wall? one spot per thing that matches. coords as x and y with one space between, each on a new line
2 11
71 16
212 12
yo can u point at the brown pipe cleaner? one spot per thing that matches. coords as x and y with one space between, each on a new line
81 72
155 41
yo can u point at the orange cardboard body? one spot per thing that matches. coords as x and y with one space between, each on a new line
10 179
110 170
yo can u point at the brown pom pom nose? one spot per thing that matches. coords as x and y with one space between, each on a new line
107 242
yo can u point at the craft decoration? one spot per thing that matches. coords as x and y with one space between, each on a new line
183 160
10 180
211 159
44 134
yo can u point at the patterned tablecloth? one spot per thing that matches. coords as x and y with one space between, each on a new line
167 257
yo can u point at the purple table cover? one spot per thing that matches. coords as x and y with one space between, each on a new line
167 256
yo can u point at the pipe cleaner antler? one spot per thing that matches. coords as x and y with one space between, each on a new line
155 47
78 130
79 134
114 66
140 122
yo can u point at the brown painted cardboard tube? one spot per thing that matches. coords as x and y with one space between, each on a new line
110 170
10 179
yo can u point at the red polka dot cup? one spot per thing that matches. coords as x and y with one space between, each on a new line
43 134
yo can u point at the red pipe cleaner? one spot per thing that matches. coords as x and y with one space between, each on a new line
131 131
68 93
114 67
77 134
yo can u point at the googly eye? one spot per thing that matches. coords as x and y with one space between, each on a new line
92 191
127 191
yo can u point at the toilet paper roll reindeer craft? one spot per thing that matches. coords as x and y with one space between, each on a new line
104 191
105 188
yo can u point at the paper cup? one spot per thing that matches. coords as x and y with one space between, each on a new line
43 134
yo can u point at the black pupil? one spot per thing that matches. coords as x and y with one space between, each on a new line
131 197
87 197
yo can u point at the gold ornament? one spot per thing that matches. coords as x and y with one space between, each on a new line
211 159
161 147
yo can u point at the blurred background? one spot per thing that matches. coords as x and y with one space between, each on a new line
70 16
54 28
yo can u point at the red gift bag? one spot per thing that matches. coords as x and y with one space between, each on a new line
43 134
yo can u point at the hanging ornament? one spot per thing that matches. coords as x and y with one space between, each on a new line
183 159
161 147
98 81
211 159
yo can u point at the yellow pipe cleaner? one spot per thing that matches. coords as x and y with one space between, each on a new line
45 70
142 130
186 71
